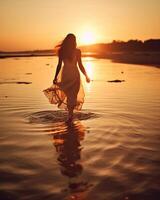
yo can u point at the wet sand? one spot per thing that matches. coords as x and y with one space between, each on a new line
110 152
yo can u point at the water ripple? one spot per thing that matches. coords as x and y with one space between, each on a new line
57 116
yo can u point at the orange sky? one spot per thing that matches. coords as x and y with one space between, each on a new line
40 24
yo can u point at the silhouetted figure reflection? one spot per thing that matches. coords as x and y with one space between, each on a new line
68 147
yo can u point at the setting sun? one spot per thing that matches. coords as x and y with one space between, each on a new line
87 37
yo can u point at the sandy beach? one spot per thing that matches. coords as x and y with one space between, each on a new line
110 152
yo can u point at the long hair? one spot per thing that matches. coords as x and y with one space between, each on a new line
67 48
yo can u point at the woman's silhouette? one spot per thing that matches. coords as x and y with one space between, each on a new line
67 90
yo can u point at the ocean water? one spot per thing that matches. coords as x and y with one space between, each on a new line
110 152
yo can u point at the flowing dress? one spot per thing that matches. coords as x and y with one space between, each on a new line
68 92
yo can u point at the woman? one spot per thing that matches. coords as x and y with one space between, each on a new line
67 90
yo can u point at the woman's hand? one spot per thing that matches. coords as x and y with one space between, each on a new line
55 81
87 79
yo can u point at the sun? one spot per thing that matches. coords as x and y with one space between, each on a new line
87 37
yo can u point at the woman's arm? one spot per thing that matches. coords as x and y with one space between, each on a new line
58 69
81 66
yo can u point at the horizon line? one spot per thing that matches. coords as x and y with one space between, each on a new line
84 45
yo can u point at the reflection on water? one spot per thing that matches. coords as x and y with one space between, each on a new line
67 143
120 155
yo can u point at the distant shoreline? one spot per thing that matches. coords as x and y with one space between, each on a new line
141 58
132 52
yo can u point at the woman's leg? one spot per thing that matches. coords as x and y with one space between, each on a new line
70 113
71 102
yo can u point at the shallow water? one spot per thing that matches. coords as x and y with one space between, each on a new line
110 152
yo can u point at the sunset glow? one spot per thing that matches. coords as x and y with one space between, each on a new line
37 24
87 37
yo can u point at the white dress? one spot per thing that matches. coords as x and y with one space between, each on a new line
68 91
